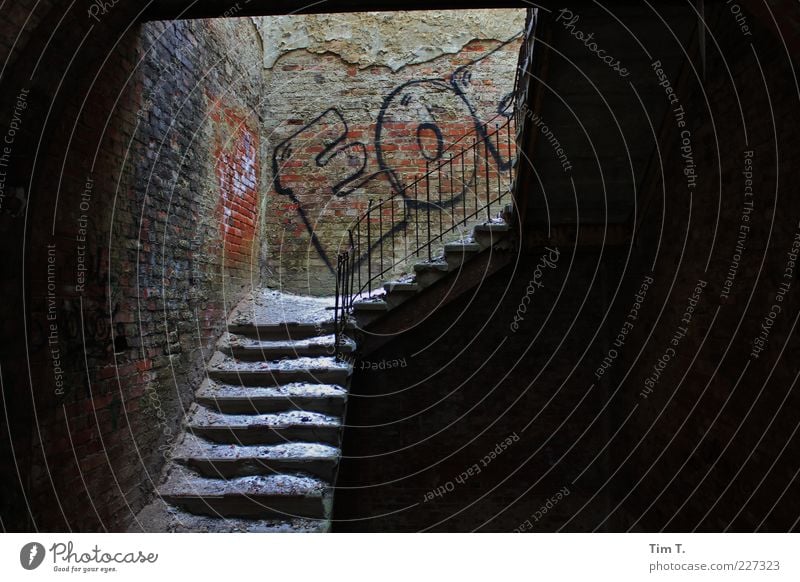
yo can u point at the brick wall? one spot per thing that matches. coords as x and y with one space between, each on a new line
345 127
143 217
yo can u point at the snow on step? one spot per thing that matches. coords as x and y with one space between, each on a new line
255 495
248 348
231 460
298 425
323 370
401 287
235 399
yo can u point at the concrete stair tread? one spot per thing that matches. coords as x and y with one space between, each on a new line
219 391
202 417
492 227
249 349
462 247
159 516
193 447
224 363
184 483
235 340
370 305
401 287
432 266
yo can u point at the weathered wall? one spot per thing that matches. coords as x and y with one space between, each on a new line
354 108
142 209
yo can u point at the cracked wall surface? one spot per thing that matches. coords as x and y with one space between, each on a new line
388 39
355 107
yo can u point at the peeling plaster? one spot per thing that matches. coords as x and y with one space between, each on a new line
391 39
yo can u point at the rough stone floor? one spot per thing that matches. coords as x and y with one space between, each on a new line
261 443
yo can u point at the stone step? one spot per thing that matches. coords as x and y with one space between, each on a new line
263 429
231 399
161 517
225 461
249 349
429 272
370 305
368 310
280 331
456 253
262 496
319 370
490 233
398 293
401 287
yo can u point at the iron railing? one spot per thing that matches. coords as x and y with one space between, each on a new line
468 181
464 187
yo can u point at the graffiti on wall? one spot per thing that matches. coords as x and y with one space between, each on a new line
416 123
237 178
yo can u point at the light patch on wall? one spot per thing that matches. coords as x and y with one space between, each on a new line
391 39
236 154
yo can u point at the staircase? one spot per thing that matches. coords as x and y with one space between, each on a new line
260 446
468 191
486 237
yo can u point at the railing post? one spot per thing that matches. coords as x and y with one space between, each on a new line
416 215
499 156
452 203
475 161
463 187
486 166
369 248
428 203
336 307
380 234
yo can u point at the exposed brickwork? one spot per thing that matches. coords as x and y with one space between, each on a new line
127 296
342 135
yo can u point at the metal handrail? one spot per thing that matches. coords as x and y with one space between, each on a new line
482 186
478 168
